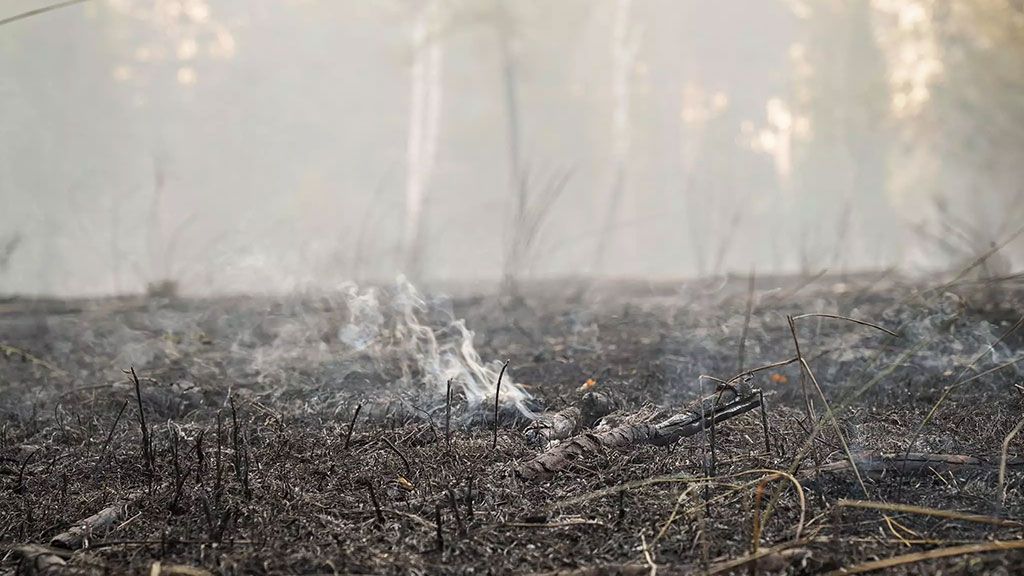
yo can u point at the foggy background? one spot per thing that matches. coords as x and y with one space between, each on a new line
265 145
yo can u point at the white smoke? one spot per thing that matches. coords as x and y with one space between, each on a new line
399 339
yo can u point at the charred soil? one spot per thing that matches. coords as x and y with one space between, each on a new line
256 441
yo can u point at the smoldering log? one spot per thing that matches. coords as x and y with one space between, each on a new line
567 422
717 408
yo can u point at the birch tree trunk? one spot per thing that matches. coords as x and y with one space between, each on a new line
623 56
425 92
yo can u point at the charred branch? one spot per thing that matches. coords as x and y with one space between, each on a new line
75 537
718 408
878 464
569 421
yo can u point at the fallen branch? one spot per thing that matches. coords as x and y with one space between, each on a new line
158 568
722 406
75 537
569 421
876 464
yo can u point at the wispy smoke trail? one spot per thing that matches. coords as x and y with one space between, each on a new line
397 337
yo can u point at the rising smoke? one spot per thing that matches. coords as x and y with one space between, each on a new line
423 347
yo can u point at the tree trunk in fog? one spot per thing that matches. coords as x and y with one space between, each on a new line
623 54
517 180
158 267
425 91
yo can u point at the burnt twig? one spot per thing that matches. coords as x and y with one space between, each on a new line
376 505
448 415
497 398
848 319
746 322
147 446
19 486
764 424
240 452
440 530
352 425
405 461
103 452
453 503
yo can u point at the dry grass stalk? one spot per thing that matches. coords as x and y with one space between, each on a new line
915 557
1003 459
925 511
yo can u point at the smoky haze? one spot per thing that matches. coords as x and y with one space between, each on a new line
244 145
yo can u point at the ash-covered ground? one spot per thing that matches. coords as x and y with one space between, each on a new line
250 460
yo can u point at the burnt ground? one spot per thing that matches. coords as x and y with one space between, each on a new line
247 403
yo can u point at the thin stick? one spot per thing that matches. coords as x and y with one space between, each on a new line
915 557
675 511
103 452
440 531
746 322
779 364
376 504
764 424
797 487
146 447
1002 459
20 486
240 449
835 423
38 11
448 416
455 511
924 511
405 461
648 558
497 397
811 417
848 319
714 455
755 532
352 425
803 374
218 475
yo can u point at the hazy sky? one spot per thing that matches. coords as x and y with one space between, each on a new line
264 144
